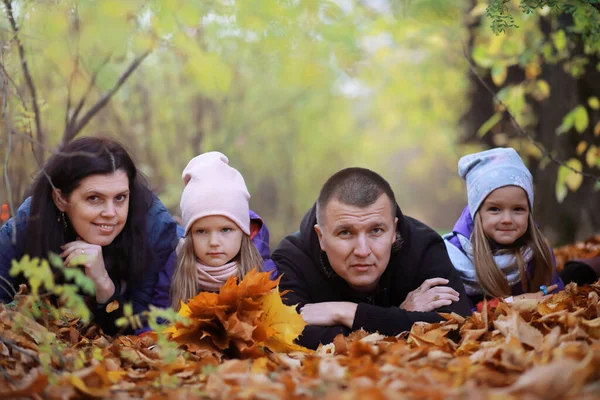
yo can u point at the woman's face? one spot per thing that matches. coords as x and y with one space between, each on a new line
98 207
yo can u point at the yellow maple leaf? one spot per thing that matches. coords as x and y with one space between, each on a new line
282 324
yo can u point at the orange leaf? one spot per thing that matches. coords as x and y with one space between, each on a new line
80 385
112 306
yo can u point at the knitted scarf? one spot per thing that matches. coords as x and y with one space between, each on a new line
464 264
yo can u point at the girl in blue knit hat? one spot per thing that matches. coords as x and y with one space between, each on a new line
495 245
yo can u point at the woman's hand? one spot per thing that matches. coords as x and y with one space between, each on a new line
90 257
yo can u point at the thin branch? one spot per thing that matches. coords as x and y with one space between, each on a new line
4 280
84 97
104 99
13 82
519 130
24 104
25 67
70 87
11 206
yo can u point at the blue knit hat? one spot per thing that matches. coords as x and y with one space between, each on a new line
489 170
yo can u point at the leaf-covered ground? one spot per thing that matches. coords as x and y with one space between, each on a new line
237 346
585 249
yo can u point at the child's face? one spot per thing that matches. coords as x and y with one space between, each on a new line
505 214
217 240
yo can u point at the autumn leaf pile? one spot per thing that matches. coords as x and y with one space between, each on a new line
242 320
238 345
586 249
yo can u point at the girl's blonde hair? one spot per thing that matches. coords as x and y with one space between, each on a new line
184 284
490 277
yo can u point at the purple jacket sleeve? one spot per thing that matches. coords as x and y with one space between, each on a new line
261 241
161 290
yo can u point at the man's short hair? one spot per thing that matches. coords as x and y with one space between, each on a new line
358 187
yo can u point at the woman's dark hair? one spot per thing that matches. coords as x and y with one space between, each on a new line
129 253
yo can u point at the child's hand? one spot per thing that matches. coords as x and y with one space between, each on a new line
537 295
429 296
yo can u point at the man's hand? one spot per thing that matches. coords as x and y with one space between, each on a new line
329 313
429 296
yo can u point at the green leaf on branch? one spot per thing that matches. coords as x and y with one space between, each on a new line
560 40
594 103
592 157
561 191
37 273
73 274
577 117
542 89
569 178
499 74
573 179
489 124
581 119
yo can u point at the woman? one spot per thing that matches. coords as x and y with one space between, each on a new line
91 206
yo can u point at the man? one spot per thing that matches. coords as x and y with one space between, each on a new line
357 262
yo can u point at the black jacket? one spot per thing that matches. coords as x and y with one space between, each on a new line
419 255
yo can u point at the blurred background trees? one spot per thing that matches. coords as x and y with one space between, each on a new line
292 91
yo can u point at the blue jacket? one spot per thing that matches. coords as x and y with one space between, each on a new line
162 237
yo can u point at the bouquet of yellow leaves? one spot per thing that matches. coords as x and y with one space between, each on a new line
244 320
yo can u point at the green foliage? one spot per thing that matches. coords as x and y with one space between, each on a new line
38 274
568 178
578 118
76 275
41 283
498 12
586 14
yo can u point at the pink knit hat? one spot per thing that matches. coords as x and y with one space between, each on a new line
212 187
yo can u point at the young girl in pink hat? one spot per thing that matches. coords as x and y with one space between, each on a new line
218 233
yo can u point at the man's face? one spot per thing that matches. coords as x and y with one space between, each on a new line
358 241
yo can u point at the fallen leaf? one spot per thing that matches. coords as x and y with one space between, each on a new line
112 306
31 386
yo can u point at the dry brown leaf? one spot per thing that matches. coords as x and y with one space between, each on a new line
516 327
31 386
